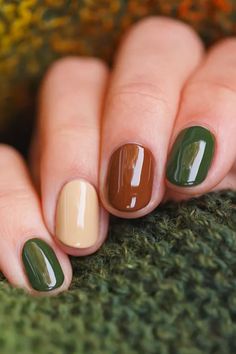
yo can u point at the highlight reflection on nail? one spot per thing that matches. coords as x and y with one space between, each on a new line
191 157
77 215
130 178
41 265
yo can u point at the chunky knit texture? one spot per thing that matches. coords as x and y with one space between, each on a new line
162 284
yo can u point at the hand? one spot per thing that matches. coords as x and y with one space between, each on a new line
163 123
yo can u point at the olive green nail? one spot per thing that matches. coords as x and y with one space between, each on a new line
191 157
41 265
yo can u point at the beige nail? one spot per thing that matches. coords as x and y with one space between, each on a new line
77 215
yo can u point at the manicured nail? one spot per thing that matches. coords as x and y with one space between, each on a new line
77 215
41 265
191 157
130 178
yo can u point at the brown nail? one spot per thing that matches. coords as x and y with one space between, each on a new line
130 178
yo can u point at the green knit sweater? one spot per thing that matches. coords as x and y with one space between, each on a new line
163 284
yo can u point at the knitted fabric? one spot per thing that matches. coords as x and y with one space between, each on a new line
165 284
162 284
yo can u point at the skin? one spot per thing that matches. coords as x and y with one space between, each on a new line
163 80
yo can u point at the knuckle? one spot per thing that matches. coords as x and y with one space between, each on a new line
140 94
70 132
13 196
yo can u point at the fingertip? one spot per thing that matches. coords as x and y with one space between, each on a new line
85 251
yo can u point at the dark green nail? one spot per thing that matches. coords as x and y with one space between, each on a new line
191 157
41 265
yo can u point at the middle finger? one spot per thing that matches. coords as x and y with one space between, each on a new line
153 63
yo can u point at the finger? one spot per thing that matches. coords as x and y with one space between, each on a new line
228 182
34 160
70 107
29 258
203 145
155 59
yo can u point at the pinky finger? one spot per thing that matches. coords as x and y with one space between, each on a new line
29 257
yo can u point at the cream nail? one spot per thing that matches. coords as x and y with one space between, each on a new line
77 215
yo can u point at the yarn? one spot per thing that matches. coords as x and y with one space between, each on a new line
165 283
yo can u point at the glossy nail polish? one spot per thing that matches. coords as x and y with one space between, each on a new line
130 178
77 215
191 157
41 265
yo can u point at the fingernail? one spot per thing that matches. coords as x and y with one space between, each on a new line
77 215
191 157
41 265
130 178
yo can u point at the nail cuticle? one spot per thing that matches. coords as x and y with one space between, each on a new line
193 124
